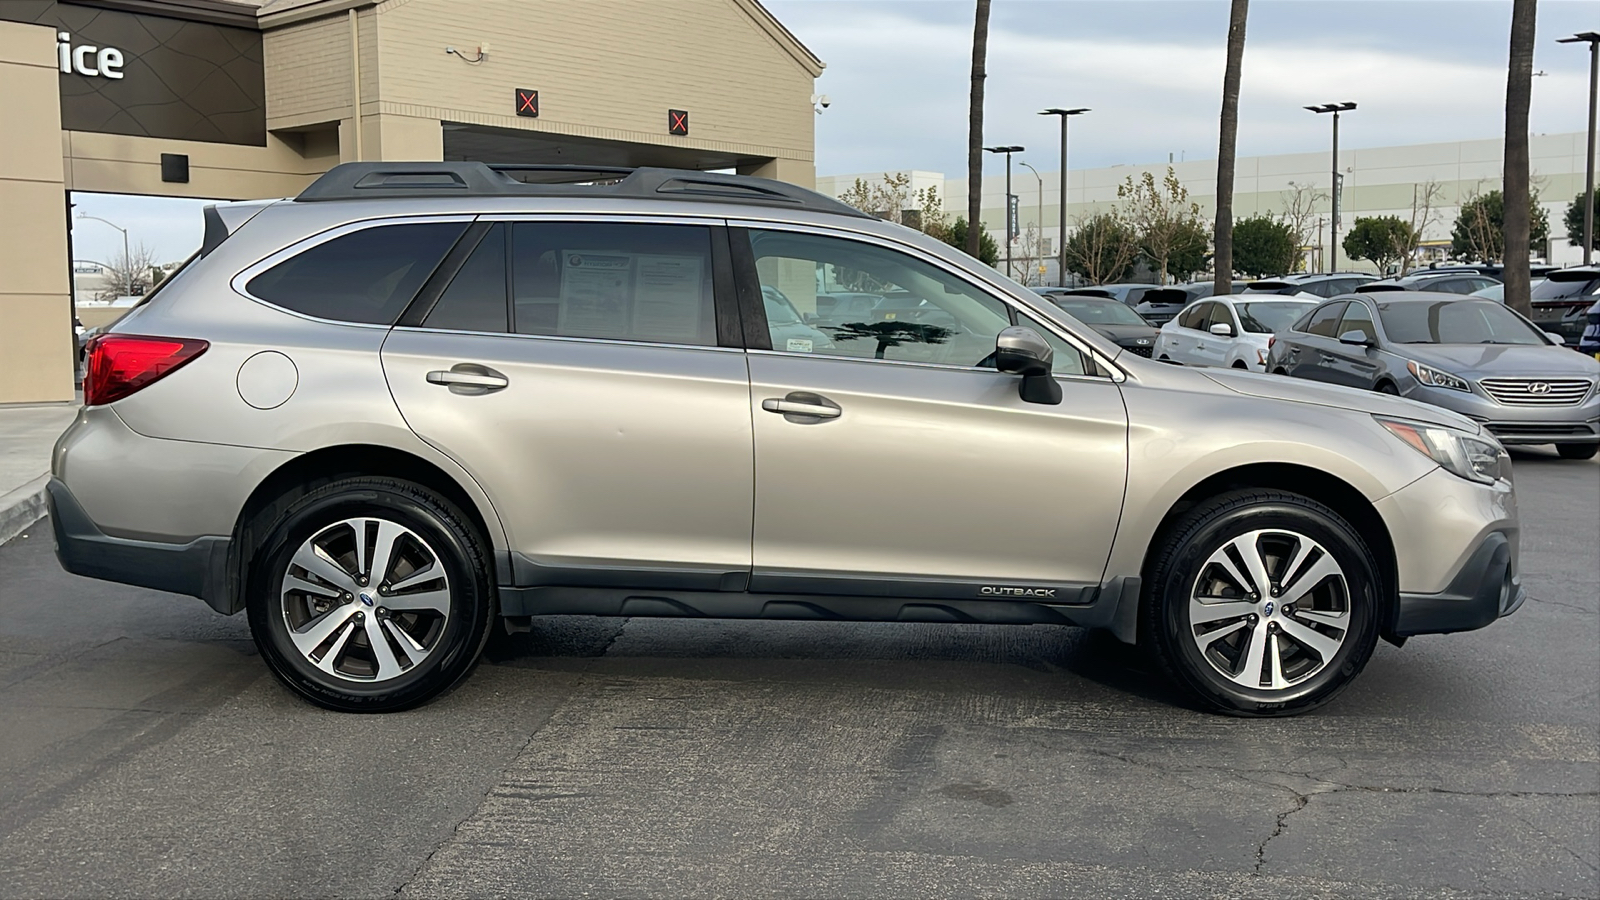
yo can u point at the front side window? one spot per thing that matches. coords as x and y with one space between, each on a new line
1220 316
862 301
615 281
1195 316
364 276
1067 359
1358 318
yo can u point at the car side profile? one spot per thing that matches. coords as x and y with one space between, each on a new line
422 400
1470 355
1231 332
1447 282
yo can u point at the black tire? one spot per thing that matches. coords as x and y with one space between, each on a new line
1239 364
1178 564
1577 451
1385 387
457 642
1280 371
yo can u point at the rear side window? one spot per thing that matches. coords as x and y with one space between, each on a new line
1325 320
613 281
365 276
476 297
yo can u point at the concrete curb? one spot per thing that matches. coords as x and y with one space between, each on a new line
22 507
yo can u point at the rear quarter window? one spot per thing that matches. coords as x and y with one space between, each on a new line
366 276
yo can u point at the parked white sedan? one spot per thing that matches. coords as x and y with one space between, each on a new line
1230 332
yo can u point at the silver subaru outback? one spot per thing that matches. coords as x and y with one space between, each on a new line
422 398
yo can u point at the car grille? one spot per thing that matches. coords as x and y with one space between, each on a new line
1523 391
1538 430
1144 351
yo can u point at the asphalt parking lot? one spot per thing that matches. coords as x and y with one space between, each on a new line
145 751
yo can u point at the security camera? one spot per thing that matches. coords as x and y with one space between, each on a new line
825 101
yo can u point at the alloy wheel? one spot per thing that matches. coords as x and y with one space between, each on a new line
365 599
1269 609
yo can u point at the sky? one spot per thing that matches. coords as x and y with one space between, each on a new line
1150 71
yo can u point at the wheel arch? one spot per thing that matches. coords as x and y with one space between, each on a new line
308 470
1325 488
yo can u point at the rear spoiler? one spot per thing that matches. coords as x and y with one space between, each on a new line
223 219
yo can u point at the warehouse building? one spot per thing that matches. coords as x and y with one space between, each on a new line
239 100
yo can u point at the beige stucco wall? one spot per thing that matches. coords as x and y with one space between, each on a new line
126 164
36 346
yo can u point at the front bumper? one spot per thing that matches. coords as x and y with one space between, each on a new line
1486 588
198 568
1577 424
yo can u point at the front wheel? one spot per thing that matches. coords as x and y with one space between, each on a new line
370 595
1577 451
1261 603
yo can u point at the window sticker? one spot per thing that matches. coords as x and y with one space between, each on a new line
799 345
594 294
666 297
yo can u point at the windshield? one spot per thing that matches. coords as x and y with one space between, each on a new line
1265 317
1563 290
1455 322
1099 312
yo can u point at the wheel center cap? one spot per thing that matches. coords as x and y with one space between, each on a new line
1265 609
367 599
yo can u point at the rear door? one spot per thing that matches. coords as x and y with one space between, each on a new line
893 460
587 374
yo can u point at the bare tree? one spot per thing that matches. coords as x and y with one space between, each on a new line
128 274
1300 212
1518 201
1164 217
1425 199
980 52
1227 143
1102 248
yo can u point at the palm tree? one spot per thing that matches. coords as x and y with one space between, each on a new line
1226 148
980 51
1518 214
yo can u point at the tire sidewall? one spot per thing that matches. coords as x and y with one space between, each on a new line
1178 580
470 596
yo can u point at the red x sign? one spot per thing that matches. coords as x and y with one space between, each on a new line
677 121
527 103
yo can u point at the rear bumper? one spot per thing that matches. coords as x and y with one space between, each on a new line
197 568
1486 588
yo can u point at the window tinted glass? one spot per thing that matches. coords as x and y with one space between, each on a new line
1219 316
1266 317
1455 322
476 297
364 276
1557 290
1195 316
613 281
1067 360
1100 312
1325 320
868 302
1358 318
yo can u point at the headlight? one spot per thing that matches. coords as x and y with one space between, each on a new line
1471 458
1436 378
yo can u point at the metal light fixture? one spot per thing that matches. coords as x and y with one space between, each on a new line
1061 238
1331 260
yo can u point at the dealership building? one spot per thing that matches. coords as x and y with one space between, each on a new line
240 100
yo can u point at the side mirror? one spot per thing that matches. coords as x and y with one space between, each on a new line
1020 350
1222 329
1355 338
1556 339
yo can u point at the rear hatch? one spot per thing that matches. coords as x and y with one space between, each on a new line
1161 305
1561 304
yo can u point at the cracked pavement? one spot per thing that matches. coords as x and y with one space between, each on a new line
146 752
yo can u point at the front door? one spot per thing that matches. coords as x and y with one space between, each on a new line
574 369
893 460
1353 365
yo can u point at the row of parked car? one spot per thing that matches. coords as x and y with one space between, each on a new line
1443 337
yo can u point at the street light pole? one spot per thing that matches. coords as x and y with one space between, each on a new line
1039 216
127 258
1061 236
1593 38
1007 150
1331 261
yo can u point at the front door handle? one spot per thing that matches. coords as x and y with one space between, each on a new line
802 405
469 378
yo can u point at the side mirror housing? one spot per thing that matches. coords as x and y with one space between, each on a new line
1556 339
1355 338
1020 350
1222 329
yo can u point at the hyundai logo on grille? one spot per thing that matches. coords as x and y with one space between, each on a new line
1539 387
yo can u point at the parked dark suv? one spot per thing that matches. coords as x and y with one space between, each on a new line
1561 303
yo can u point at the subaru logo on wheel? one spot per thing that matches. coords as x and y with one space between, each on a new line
1266 609
366 598
1539 387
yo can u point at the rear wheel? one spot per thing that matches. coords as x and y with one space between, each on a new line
370 595
1577 451
1261 603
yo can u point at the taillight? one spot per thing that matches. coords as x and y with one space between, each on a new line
120 364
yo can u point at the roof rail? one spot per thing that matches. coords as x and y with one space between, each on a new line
387 180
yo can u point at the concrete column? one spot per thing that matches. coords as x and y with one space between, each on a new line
392 137
795 171
37 350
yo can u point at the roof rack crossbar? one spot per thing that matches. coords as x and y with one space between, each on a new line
380 180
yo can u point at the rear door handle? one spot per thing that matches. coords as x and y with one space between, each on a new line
469 378
803 403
